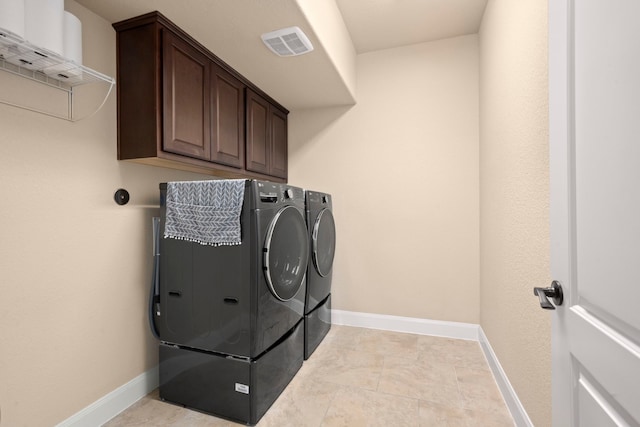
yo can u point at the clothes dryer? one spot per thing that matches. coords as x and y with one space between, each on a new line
322 241
230 317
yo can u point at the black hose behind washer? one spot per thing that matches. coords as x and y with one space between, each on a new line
154 292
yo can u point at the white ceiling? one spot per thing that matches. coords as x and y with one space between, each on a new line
231 29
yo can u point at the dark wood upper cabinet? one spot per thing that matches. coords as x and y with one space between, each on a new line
257 133
266 137
227 118
186 80
278 143
180 106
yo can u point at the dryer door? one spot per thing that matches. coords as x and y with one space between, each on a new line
286 252
324 242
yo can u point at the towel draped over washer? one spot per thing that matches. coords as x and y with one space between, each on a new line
206 212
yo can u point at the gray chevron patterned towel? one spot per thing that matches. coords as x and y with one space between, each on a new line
206 212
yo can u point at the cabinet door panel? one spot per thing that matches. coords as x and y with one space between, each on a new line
257 133
186 95
227 122
278 143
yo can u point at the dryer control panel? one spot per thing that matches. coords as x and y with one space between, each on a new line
269 193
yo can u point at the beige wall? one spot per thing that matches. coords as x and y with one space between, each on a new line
74 266
402 166
514 196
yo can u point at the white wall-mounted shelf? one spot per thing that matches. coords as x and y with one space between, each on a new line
19 57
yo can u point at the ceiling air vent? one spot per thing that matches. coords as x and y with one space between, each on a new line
287 42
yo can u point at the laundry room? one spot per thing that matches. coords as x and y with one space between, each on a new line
434 154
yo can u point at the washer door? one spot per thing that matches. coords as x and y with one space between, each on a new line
286 253
324 242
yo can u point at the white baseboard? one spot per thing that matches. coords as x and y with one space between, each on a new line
465 331
410 325
509 395
107 407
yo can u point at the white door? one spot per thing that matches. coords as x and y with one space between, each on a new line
594 87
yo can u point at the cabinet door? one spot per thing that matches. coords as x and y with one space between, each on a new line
258 133
227 118
186 117
278 163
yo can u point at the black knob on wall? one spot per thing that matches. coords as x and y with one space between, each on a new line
121 196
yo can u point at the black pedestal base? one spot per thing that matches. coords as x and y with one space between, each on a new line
233 388
316 326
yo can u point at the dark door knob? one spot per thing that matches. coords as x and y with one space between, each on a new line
554 292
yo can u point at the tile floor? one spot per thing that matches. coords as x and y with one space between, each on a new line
367 377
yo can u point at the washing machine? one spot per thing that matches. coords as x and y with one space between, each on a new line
230 317
322 240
